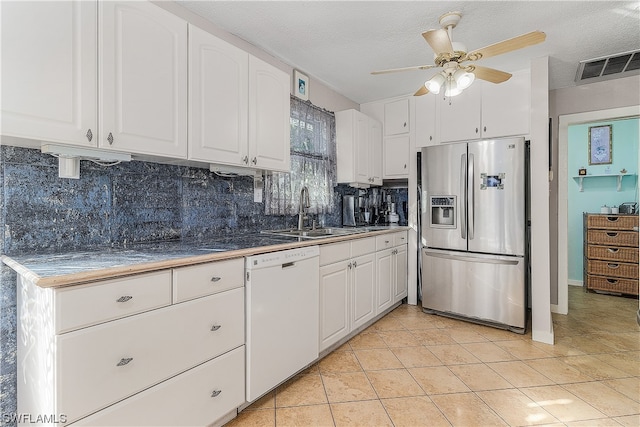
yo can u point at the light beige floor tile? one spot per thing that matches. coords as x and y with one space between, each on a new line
414 357
304 416
629 420
558 371
494 334
602 422
367 413
520 374
562 404
438 380
433 336
604 399
260 418
627 361
340 361
414 412
301 390
268 401
367 340
588 344
387 323
377 358
466 409
516 408
419 323
453 354
348 386
313 369
488 352
344 347
466 335
630 387
399 339
594 367
621 341
394 383
522 349
479 377
558 349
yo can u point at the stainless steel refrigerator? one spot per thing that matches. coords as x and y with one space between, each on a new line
473 231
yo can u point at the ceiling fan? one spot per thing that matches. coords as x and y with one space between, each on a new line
451 57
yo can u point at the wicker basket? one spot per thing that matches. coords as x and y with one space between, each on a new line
613 254
622 286
613 269
613 222
612 238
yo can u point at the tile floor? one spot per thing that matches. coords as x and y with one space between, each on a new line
414 369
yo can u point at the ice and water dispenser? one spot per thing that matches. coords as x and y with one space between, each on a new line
443 211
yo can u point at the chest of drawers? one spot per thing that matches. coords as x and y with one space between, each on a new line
611 253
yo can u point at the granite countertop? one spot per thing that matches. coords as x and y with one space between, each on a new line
73 268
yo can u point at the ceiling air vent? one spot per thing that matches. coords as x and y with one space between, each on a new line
608 67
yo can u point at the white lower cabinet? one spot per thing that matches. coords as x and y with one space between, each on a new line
384 276
195 398
391 264
400 269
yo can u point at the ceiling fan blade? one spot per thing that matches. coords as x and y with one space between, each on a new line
395 70
439 41
422 91
509 45
488 74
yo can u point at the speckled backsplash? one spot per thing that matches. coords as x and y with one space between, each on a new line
110 206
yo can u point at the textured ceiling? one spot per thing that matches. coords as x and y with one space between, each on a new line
341 42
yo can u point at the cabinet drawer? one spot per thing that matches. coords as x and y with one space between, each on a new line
609 284
80 306
187 399
206 279
366 245
385 241
334 252
612 238
612 269
612 222
622 254
400 238
103 364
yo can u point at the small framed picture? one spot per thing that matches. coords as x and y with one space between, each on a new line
301 85
600 145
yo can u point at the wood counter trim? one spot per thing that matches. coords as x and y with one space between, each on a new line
84 277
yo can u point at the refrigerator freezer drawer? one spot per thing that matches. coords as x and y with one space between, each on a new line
483 287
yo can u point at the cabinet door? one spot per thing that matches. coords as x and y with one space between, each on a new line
334 303
49 72
363 150
400 269
460 115
396 157
384 280
269 110
396 117
506 106
424 122
363 290
375 141
218 100
143 79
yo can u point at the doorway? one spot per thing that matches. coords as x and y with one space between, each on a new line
563 182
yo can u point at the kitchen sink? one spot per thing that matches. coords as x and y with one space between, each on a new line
317 233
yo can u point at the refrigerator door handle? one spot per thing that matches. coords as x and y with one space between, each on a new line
463 196
472 259
470 198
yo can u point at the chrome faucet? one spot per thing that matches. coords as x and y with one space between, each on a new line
304 204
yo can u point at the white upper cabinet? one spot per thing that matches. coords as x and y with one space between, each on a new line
505 106
359 147
460 115
49 78
269 111
375 155
396 157
218 100
396 117
424 120
143 79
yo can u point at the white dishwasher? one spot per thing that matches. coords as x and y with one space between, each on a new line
282 303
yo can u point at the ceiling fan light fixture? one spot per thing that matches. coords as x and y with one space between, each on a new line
451 88
463 79
435 83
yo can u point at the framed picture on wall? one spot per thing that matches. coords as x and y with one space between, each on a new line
301 85
600 144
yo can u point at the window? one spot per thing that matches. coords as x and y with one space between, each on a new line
313 163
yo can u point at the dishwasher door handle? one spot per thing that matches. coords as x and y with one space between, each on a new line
288 264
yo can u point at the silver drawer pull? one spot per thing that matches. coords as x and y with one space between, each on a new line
613 266
215 327
613 250
216 393
124 298
215 279
124 361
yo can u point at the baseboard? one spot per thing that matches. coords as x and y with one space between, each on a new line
575 282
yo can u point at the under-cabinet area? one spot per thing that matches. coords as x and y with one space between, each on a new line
172 345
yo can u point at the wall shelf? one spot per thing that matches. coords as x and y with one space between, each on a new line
579 178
